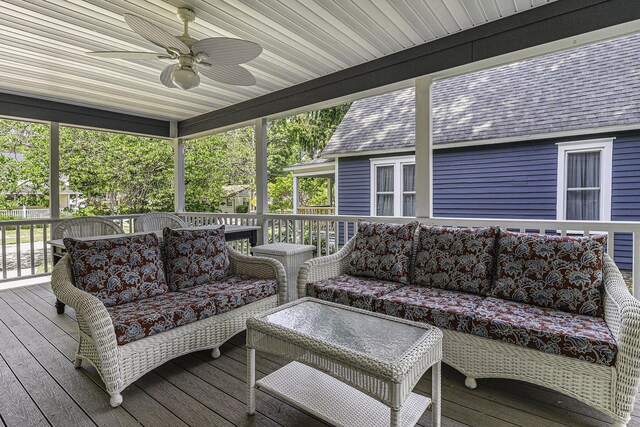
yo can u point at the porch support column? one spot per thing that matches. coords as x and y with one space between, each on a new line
424 148
54 170
330 192
296 192
178 169
262 201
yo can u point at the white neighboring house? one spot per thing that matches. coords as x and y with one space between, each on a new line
236 195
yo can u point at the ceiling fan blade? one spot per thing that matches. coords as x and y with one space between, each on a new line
165 76
155 34
128 55
226 51
229 74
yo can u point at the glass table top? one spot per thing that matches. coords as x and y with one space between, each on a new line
381 338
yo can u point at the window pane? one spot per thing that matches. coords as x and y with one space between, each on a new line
583 205
583 170
409 205
384 205
384 178
409 178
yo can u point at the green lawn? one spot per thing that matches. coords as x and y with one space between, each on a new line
25 236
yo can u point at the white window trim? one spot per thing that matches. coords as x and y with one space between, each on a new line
605 146
397 163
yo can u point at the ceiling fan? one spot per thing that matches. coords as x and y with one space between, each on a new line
216 58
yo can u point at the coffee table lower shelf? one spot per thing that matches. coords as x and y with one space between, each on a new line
334 401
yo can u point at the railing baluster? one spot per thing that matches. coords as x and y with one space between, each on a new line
45 249
611 244
33 252
4 253
635 255
18 255
318 242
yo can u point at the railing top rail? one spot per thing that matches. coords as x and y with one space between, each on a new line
630 226
36 221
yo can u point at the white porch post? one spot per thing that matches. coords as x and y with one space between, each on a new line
296 192
54 170
178 168
262 201
424 148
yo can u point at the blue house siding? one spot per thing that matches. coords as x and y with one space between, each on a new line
499 181
625 192
516 180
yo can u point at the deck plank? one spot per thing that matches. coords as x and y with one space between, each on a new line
16 406
51 398
89 396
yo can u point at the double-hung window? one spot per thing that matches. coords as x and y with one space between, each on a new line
393 186
584 180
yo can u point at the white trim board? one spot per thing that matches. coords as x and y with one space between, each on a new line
584 133
397 163
605 146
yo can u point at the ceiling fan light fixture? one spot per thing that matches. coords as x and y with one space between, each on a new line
185 78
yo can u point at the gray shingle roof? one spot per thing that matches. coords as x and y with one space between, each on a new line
582 88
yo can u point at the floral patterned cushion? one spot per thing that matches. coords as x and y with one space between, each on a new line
383 251
457 259
350 290
564 273
234 291
118 270
195 257
556 332
438 307
139 319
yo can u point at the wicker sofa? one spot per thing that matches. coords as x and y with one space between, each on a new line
601 372
175 322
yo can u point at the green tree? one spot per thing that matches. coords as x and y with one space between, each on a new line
299 139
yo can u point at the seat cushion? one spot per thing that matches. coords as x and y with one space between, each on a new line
350 290
139 319
582 337
234 291
118 270
383 251
195 257
563 273
457 259
439 307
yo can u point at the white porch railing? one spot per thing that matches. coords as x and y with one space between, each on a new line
326 232
23 245
329 232
26 212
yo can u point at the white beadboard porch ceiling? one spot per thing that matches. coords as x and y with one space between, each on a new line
43 45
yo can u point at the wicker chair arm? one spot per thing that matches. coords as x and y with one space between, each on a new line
325 267
622 315
261 268
91 310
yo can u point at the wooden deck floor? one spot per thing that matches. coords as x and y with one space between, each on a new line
39 385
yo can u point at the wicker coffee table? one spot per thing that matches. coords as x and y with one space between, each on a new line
351 367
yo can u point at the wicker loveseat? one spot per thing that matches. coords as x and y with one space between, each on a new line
126 332
499 321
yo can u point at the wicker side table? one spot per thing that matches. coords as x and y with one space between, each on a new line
351 367
291 256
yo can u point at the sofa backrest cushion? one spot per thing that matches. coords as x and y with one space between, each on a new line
195 256
383 251
456 259
563 273
118 270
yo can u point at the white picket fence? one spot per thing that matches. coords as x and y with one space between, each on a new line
25 212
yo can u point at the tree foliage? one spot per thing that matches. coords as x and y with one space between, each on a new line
118 174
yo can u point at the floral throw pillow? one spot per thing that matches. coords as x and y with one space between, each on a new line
456 259
383 251
118 270
563 273
195 257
